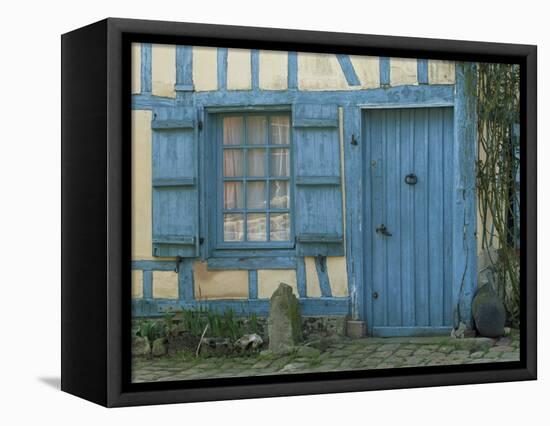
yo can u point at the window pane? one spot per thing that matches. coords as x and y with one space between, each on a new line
279 224
233 195
255 196
255 129
279 162
233 227
256 162
280 130
280 194
256 227
233 163
233 130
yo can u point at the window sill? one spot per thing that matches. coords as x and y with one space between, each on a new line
252 259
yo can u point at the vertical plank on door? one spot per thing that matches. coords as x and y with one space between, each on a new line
392 191
407 217
421 278
435 215
448 172
378 252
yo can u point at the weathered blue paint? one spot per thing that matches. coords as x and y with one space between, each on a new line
292 70
175 207
410 331
184 68
322 275
384 71
222 69
255 65
147 285
409 272
164 182
400 307
464 208
319 226
251 263
186 282
154 265
354 181
422 71
159 124
147 102
348 70
252 284
399 96
301 277
146 74
318 180
308 306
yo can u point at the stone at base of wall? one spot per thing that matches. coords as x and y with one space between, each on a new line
355 329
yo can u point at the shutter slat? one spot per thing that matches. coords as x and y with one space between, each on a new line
172 124
166 182
175 193
318 191
318 180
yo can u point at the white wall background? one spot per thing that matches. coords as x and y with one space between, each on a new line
30 224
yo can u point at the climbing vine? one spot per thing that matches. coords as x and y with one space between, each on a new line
498 177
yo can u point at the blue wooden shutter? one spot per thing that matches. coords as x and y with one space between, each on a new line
318 191
175 171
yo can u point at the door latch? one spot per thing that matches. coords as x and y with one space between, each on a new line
382 230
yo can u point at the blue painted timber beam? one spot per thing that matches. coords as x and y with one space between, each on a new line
146 67
292 70
255 65
348 70
252 284
422 71
222 68
184 68
384 71
399 96
464 206
308 306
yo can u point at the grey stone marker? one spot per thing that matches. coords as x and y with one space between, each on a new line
284 324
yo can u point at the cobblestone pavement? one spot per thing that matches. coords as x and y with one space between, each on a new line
344 354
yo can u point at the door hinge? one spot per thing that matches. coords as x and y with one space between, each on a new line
199 124
353 140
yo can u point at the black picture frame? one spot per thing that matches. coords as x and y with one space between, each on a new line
96 210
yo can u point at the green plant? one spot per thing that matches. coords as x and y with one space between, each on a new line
215 324
150 329
497 172
193 321
232 325
253 323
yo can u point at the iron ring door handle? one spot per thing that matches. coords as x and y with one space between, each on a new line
383 230
411 179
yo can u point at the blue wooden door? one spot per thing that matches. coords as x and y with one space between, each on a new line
408 236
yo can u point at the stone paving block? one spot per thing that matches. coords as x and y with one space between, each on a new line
261 364
501 349
347 354
388 347
510 356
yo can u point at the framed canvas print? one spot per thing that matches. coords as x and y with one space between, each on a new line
254 212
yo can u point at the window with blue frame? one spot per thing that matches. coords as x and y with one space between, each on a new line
255 180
